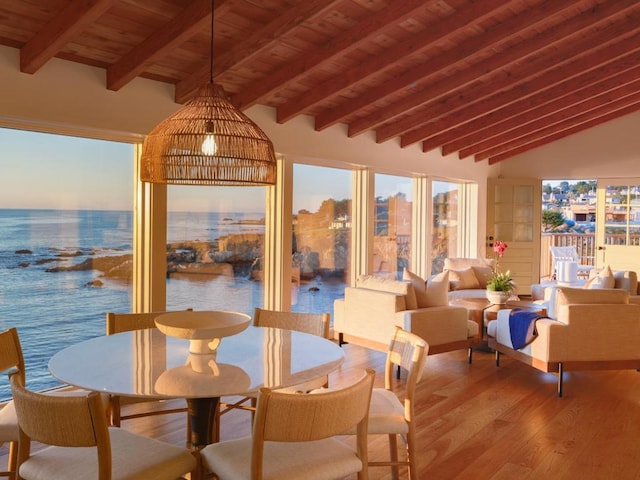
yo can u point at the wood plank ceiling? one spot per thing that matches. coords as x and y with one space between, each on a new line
483 79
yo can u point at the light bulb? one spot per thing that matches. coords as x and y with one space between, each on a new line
209 146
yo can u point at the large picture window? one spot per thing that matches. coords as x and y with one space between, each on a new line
321 237
446 218
215 248
392 225
66 208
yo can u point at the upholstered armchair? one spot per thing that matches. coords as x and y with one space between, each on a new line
586 329
370 312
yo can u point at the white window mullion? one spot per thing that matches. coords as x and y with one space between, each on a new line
362 223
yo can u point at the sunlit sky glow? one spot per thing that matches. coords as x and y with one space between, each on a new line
41 170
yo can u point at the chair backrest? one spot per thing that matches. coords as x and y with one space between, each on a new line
11 352
408 351
313 323
62 420
290 417
126 322
568 253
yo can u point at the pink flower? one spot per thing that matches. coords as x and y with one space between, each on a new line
499 247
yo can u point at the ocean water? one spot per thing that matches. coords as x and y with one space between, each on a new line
52 310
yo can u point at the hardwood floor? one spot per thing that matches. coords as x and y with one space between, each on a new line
480 421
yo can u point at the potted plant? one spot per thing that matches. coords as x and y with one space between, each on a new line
500 286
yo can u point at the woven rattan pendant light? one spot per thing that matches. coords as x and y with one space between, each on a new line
208 142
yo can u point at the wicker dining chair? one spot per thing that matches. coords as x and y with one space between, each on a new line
293 437
392 416
312 323
11 358
61 422
126 322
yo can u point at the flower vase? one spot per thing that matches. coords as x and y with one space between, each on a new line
497 297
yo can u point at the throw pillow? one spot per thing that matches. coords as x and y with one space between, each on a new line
433 292
463 279
482 274
626 280
392 286
604 279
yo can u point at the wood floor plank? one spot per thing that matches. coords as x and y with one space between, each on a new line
489 423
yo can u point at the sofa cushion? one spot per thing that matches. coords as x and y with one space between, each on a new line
433 292
392 286
604 279
463 279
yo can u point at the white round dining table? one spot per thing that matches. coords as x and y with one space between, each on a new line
147 363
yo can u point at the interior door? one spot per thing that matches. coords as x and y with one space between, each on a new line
618 224
513 215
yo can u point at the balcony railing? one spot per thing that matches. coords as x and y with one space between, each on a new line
585 244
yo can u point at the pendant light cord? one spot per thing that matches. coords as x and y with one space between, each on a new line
211 46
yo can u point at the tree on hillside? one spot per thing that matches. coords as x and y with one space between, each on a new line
551 219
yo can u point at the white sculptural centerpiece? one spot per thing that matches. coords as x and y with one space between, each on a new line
203 329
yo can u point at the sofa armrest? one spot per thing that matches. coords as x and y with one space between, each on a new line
437 325
550 344
369 314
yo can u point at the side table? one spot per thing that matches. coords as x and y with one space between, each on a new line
482 311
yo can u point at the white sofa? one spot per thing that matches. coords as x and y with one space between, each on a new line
370 311
587 329
468 277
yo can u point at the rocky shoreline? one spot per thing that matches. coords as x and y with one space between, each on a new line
231 255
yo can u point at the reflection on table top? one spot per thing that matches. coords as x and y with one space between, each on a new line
148 363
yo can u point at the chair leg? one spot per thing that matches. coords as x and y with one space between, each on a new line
497 358
470 355
393 453
560 380
12 462
412 454
114 409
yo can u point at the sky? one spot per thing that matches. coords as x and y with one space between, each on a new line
39 170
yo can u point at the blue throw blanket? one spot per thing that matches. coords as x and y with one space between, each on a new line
522 327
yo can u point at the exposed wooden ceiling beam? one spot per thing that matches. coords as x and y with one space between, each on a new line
474 14
71 21
545 96
447 60
465 105
516 53
253 45
541 74
572 116
376 63
179 29
315 58
568 103
544 101
564 133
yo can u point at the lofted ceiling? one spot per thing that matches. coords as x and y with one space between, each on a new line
484 80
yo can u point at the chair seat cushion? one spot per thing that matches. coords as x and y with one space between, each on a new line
9 423
320 459
386 414
133 458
